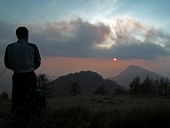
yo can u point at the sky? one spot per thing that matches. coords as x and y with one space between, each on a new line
80 35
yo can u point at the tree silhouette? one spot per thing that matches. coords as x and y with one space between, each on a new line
164 86
75 88
150 86
101 90
135 86
119 91
155 90
146 86
45 84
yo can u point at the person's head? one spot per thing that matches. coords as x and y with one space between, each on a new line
22 33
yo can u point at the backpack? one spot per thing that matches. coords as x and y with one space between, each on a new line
39 105
40 102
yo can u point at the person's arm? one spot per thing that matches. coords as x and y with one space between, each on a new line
37 58
6 60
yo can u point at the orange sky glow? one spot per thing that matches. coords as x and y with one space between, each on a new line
58 66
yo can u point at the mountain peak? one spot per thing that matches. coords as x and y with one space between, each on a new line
133 66
132 71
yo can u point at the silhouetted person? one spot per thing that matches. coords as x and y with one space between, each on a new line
23 59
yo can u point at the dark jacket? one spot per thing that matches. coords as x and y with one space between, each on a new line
22 57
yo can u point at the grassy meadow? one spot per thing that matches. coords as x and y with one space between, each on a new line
99 111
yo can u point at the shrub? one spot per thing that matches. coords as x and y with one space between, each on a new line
101 90
4 96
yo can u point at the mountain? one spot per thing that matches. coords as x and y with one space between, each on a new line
126 76
88 80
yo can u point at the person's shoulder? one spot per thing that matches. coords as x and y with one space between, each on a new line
32 45
9 45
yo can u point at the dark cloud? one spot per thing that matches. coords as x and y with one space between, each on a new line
7 35
75 38
127 39
147 51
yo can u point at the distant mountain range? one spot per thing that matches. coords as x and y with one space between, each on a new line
88 80
126 76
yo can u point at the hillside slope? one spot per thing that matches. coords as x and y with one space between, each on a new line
88 80
126 76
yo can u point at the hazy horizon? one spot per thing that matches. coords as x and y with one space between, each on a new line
6 77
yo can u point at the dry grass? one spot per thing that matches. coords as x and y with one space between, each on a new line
102 111
106 102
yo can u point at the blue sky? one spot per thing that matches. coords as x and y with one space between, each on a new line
129 30
20 11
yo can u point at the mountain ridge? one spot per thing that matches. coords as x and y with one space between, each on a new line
122 78
132 71
88 80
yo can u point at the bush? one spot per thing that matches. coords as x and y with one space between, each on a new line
120 91
101 90
4 96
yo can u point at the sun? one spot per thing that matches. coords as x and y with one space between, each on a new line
114 59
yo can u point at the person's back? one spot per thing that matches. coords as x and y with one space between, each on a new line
23 59
21 56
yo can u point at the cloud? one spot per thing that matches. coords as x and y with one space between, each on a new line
122 37
7 35
128 29
74 38
147 51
